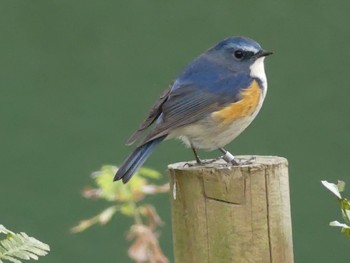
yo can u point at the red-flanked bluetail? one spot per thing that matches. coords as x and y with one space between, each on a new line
209 104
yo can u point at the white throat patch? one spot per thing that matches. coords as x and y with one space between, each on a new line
257 70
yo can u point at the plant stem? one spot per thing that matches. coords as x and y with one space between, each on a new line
137 216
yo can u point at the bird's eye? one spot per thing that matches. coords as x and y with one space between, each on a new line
238 54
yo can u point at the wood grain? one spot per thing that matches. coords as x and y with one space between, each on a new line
230 214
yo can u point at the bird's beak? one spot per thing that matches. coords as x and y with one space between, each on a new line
263 53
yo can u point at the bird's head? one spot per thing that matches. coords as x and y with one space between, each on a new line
238 53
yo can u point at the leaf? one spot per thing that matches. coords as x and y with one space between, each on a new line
102 218
84 224
20 246
345 204
145 246
341 186
338 224
135 186
346 231
344 227
345 209
126 196
128 209
150 173
332 187
111 191
4 230
153 219
104 181
106 215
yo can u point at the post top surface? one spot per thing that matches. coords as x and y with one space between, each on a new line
258 161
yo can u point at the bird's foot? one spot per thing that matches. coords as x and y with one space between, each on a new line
209 161
237 161
190 164
229 158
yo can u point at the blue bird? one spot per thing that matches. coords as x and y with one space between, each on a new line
209 104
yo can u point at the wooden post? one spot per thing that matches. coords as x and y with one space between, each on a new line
227 214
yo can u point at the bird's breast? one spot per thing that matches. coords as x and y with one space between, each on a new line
250 101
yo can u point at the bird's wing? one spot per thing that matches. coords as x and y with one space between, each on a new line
154 113
190 102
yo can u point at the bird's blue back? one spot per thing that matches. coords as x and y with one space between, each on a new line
211 76
203 87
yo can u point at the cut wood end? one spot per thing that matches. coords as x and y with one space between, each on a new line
258 161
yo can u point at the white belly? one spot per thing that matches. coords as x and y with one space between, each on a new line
208 134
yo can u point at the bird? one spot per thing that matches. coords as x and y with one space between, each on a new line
207 106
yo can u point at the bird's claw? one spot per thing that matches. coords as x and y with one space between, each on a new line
238 162
189 164
232 160
202 162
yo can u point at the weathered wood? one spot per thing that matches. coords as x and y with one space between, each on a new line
227 214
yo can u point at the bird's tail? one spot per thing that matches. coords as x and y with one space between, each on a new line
136 159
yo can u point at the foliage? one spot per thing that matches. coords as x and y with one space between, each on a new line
336 189
16 247
125 199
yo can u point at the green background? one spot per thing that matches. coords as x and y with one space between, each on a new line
76 77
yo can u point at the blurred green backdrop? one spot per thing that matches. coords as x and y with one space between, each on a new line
76 77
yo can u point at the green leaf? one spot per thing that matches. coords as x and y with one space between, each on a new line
15 247
116 191
132 191
344 227
148 172
346 231
345 204
345 208
128 209
104 181
341 186
125 196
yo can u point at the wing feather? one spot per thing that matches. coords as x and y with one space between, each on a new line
154 113
190 103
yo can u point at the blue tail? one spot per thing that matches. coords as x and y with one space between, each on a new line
136 159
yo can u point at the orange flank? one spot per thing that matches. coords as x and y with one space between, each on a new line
242 108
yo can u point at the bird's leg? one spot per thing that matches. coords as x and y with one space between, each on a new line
228 157
198 160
